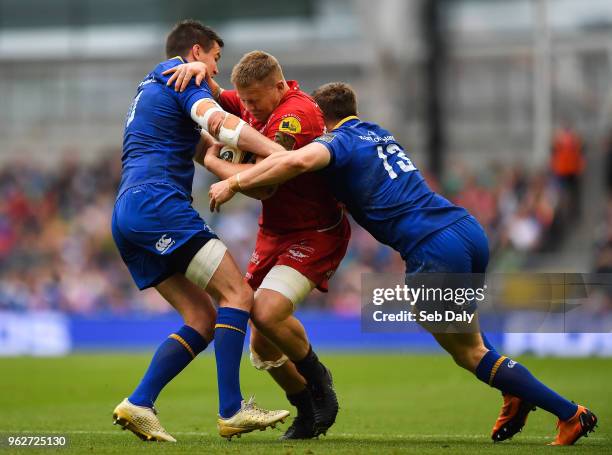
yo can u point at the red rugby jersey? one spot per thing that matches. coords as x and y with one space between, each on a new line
305 202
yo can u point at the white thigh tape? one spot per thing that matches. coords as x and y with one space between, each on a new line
205 262
289 282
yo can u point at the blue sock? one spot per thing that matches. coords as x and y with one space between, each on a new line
513 378
229 342
171 357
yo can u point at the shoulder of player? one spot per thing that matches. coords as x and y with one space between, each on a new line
167 64
297 115
334 138
171 63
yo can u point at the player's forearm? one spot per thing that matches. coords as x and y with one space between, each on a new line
230 129
206 141
275 169
257 143
224 169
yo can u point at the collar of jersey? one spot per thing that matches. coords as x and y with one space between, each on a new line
344 120
179 57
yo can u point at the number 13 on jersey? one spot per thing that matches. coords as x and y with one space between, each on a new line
402 161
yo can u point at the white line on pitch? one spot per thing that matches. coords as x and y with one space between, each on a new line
346 435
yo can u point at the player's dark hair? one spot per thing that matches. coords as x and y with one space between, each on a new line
337 100
185 34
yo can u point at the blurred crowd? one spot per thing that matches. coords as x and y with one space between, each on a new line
56 250
603 246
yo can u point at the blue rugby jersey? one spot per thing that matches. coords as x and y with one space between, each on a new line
160 137
382 189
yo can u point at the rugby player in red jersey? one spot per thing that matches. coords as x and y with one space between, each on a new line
302 238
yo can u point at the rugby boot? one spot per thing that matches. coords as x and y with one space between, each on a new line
512 418
324 402
249 417
302 426
581 424
141 421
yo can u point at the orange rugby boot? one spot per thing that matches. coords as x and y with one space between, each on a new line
512 418
581 424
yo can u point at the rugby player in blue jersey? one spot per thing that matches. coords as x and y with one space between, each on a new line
385 193
167 245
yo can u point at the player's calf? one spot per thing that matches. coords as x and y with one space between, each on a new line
321 388
285 374
282 289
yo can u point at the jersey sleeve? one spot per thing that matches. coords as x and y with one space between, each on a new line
192 94
335 144
230 102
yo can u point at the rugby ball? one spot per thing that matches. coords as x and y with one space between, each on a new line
235 155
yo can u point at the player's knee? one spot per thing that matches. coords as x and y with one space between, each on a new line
261 318
239 296
264 317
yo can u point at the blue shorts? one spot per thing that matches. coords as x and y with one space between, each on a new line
461 248
150 224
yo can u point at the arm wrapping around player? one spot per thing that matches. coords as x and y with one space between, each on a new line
180 76
276 168
224 169
230 129
223 126
282 166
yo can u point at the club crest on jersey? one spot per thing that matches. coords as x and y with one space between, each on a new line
164 243
290 125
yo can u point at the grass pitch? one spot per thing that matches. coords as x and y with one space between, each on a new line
389 404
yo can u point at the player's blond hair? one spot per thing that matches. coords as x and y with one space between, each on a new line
254 67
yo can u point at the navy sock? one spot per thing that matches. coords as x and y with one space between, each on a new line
513 378
171 357
229 342
302 401
310 367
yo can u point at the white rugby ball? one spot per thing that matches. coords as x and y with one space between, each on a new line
235 155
